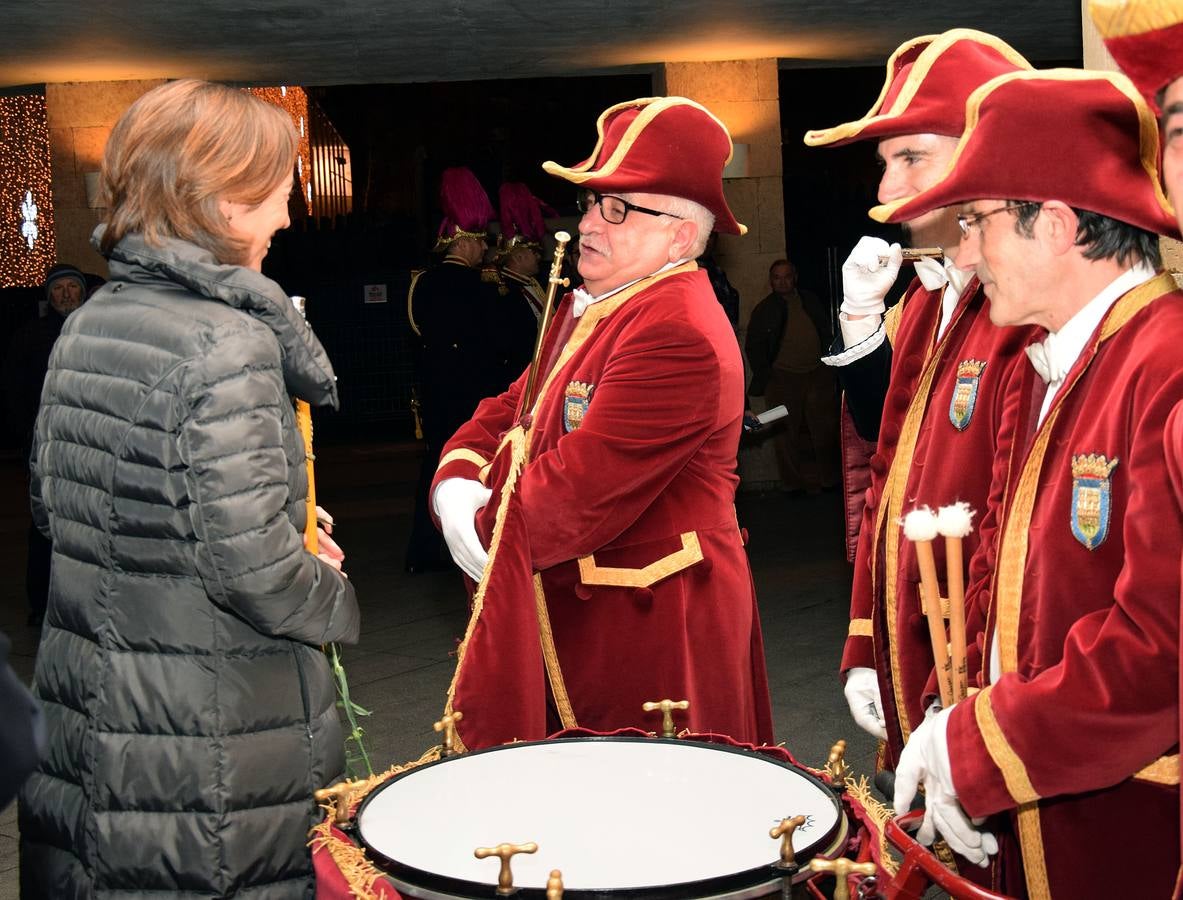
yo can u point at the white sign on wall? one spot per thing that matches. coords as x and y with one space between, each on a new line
375 293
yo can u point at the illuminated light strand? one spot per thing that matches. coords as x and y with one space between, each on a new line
26 195
294 102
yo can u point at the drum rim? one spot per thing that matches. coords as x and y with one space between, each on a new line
731 885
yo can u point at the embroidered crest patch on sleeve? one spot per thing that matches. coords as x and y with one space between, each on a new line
1091 500
965 392
575 401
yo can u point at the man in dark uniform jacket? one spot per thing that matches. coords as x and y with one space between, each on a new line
786 334
452 310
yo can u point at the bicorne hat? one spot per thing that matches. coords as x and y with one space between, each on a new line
1084 138
659 145
1145 38
928 80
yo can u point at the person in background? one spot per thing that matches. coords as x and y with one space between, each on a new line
452 311
519 263
786 334
190 708
66 289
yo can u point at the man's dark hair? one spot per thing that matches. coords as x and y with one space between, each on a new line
782 262
1101 236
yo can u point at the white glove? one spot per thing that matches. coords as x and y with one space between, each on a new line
867 276
866 705
926 759
456 502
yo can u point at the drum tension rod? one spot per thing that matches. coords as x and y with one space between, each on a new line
505 852
668 729
339 796
836 766
554 885
784 831
447 725
841 868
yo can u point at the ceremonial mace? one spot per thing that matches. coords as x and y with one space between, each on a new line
554 281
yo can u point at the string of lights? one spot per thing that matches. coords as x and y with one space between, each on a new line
27 247
294 101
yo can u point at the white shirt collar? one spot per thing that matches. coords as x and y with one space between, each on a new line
1061 349
581 299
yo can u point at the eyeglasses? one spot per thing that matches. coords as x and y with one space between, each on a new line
965 223
614 209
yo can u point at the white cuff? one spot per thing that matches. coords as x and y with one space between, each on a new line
860 337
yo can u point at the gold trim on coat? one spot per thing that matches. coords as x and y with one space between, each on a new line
691 553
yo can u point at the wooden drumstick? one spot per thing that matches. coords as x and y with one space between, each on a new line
505 852
668 729
842 868
920 527
955 522
784 831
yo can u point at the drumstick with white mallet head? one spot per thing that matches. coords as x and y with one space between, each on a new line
955 522
920 527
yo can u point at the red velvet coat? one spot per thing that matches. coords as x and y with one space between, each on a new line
627 497
1078 738
934 449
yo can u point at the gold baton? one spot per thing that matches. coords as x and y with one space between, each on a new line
553 284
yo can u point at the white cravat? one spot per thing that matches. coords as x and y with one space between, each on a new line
581 299
936 274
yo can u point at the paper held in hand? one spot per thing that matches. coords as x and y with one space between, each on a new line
771 415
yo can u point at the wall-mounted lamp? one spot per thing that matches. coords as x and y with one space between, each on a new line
738 167
93 200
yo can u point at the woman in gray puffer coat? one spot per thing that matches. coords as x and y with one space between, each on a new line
191 711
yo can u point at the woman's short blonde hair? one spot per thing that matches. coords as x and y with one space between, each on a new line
182 147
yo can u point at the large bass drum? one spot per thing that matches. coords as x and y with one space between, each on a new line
621 817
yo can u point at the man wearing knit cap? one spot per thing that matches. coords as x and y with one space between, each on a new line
24 373
1074 733
947 365
453 313
623 503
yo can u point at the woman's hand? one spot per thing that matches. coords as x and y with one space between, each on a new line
328 550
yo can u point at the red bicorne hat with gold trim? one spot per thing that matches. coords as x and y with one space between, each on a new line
1145 38
1084 138
466 207
659 145
928 80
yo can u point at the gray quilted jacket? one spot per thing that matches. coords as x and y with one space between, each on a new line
191 711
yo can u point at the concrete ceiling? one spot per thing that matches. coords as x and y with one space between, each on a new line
312 42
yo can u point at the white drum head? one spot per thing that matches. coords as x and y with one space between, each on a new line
621 816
